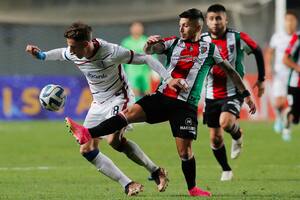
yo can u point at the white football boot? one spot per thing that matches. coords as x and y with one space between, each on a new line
226 176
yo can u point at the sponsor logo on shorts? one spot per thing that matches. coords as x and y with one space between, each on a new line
188 121
187 128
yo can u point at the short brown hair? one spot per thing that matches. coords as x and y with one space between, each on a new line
79 32
292 12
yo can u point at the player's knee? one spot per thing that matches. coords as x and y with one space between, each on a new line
118 144
217 141
184 156
86 149
226 124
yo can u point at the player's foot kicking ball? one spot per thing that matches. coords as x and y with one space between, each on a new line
81 133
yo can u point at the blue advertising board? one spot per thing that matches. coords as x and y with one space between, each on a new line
19 97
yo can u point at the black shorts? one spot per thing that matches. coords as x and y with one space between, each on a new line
181 115
294 103
214 108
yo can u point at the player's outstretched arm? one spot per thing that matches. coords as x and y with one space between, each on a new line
154 45
54 54
237 80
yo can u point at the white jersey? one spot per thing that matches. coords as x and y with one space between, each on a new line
103 70
279 42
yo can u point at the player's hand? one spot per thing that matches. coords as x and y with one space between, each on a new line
251 105
260 87
32 49
176 84
153 39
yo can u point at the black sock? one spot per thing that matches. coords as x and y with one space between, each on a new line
91 155
235 132
189 170
220 155
108 126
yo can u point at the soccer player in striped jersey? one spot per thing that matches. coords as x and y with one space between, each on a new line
190 59
101 63
291 58
278 43
222 100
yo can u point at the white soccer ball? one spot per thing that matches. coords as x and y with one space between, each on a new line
52 97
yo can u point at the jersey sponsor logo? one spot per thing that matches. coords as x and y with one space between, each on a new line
96 75
187 58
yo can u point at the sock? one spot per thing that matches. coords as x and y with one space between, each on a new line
136 154
189 170
234 131
278 113
107 167
220 155
108 126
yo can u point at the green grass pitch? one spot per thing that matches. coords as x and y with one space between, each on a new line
39 160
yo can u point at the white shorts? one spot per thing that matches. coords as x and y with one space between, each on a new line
279 88
99 112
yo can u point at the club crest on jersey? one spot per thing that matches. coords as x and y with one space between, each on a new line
231 48
203 50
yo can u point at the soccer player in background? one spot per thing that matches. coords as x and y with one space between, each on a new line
278 43
139 77
291 59
222 99
100 62
187 58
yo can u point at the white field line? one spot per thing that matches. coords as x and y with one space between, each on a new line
39 168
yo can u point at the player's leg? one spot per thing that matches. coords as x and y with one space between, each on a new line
279 93
293 114
219 151
136 154
188 166
279 105
229 123
104 165
211 118
183 122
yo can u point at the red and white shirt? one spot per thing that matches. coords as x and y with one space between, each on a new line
231 47
190 61
293 50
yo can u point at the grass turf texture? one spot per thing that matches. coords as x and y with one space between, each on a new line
39 160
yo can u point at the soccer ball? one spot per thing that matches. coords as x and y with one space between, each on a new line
52 97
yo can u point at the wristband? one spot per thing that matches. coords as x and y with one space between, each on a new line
245 93
40 55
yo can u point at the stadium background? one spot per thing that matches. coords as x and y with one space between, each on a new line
38 160
43 22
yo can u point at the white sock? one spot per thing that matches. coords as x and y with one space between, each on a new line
136 154
108 168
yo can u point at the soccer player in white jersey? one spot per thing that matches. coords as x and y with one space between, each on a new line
292 59
100 62
187 58
222 101
278 43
